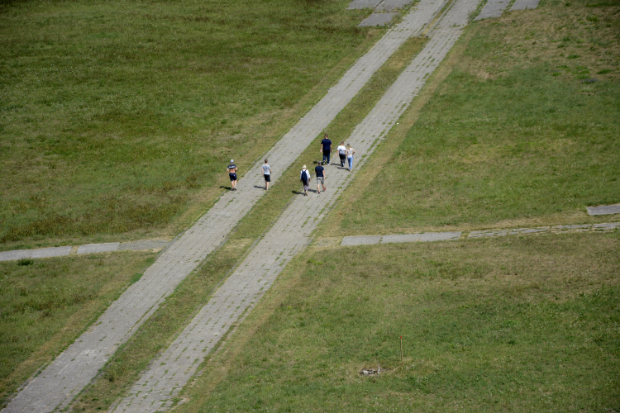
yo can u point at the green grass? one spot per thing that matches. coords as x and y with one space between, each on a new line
125 367
46 304
516 132
119 117
513 324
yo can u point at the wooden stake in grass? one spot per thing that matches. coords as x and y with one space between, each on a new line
401 349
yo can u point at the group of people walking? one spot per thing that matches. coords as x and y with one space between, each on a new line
345 153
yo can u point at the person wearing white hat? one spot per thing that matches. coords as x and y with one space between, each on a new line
305 179
232 174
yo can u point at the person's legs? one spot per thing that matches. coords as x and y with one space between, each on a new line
350 159
267 180
328 155
318 185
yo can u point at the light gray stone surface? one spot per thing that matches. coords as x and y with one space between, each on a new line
606 227
64 378
392 5
361 240
493 8
291 232
425 237
363 4
571 228
490 233
95 248
528 230
524 4
377 19
604 210
149 244
37 253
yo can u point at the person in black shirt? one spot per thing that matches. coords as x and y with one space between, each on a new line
232 174
320 177
326 149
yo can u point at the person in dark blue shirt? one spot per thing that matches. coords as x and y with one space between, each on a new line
326 149
320 177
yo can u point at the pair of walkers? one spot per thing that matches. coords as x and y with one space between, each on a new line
346 154
232 173
320 178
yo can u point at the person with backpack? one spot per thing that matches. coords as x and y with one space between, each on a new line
305 179
342 153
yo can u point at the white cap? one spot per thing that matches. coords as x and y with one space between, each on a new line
232 161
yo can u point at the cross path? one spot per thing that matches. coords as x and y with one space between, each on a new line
169 372
73 369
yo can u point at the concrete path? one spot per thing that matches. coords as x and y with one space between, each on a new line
66 376
524 4
604 210
493 8
450 236
169 372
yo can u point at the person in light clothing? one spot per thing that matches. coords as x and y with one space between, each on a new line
305 179
342 153
350 152
266 170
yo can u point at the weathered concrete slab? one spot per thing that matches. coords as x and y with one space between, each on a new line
528 230
493 8
392 5
151 244
606 227
524 4
571 228
95 248
425 237
377 19
51 252
361 240
486 234
604 210
363 4
14 255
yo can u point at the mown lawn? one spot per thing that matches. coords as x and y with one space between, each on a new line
119 117
512 324
525 126
45 304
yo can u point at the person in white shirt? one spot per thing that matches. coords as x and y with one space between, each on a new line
266 170
350 152
342 152
305 179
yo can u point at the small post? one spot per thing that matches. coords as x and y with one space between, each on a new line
401 349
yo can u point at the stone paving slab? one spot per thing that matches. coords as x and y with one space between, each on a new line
422 237
377 19
528 230
485 234
95 248
152 244
524 4
493 8
169 372
36 253
363 4
604 210
571 228
65 377
392 5
606 227
361 240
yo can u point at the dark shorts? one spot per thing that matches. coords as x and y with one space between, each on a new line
233 177
267 178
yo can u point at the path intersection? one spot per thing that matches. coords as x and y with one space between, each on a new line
58 384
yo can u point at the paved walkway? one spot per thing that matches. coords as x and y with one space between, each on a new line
67 375
290 234
451 236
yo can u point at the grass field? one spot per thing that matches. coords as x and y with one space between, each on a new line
514 324
121 117
46 304
524 128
